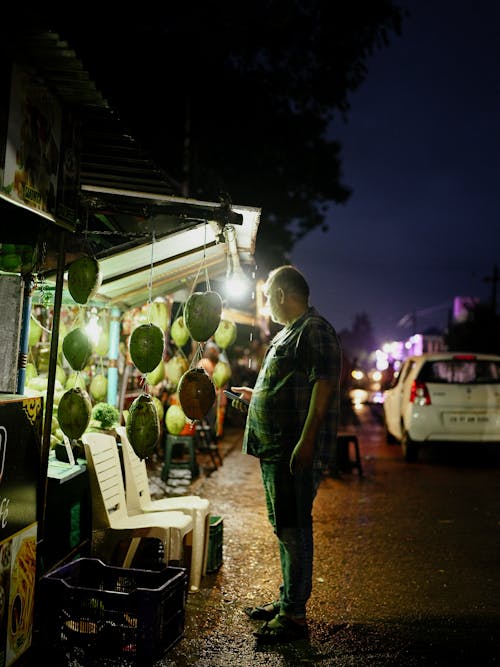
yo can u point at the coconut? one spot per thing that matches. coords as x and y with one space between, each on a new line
175 368
77 349
61 375
63 330
146 345
74 412
157 374
75 380
43 357
84 278
35 332
159 315
221 374
225 334
179 332
202 313
38 383
175 419
30 372
99 387
102 345
11 263
196 393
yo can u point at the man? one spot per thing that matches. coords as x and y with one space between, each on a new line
291 427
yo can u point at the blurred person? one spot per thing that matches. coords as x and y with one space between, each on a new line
291 424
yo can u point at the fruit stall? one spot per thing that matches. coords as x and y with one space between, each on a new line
111 283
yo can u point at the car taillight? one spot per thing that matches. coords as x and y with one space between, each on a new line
419 393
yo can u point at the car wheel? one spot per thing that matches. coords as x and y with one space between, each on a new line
409 447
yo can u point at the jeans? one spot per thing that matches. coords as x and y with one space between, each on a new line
289 500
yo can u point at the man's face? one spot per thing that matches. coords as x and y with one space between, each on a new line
275 299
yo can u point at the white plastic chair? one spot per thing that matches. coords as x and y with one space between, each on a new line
139 501
111 523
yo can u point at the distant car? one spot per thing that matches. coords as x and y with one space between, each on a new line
446 396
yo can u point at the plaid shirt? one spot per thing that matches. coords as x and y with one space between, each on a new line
300 354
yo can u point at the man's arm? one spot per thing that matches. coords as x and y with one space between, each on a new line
321 396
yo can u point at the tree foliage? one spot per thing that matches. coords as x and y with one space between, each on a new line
239 98
359 342
480 332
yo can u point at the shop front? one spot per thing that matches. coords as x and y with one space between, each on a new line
152 245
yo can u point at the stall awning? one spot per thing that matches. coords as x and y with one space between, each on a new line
153 245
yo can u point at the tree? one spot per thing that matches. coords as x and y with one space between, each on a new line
239 98
480 332
358 342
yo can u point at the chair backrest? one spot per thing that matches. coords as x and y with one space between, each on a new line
136 475
106 479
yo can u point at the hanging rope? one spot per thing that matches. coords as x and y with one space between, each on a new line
203 265
150 280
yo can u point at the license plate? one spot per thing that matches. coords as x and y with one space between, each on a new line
462 419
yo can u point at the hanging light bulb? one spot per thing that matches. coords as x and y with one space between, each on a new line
93 329
237 282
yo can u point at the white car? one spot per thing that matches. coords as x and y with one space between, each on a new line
446 396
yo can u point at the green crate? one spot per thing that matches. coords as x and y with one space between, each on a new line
215 541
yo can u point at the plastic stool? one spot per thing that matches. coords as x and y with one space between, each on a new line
343 461
188 459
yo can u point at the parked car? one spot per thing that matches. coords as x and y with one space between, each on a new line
446 396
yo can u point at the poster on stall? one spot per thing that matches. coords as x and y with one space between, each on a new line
20 442
33 142
17 594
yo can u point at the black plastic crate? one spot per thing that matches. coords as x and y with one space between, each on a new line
100 611
215 542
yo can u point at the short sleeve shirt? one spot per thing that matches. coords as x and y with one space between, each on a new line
298 356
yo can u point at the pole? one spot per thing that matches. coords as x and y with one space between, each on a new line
47 422
114 347
25 332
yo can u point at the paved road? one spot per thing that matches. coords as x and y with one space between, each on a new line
406 564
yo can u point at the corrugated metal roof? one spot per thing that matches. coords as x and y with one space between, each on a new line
111 157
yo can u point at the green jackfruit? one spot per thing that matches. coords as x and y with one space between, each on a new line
202 313
143 426
84 278
146 345
74 412
77 348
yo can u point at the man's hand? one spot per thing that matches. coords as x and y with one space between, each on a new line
302 457
246 394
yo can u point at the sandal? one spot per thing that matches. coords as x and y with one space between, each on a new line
263 613
281 630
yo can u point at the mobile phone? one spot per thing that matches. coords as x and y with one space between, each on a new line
235 397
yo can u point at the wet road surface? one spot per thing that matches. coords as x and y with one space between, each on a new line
406 568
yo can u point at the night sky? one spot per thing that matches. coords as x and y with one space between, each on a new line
421 152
